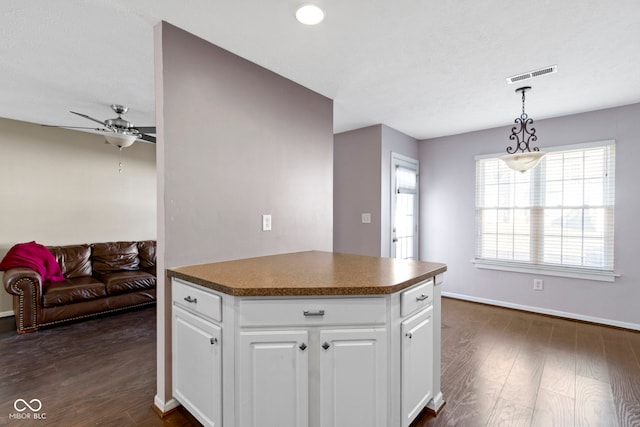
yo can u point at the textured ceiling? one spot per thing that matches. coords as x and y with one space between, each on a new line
424 67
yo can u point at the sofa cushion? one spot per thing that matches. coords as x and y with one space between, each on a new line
73 290
120 282
115 256
147 253
74 260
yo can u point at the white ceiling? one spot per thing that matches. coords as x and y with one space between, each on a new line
427 68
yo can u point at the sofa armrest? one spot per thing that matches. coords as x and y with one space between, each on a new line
26 285
15 281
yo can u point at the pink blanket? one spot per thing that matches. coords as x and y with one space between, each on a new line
34 256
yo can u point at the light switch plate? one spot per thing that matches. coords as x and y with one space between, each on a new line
366 218
266 222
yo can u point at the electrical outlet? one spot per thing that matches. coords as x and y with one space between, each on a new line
538 285
366 218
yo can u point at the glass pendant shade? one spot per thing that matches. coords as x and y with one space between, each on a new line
120 140
522 162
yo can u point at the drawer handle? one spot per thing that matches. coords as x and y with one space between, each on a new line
422 297
189 299
214 341
313 313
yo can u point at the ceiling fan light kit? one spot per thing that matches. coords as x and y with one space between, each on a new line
120 140
120 132
522 157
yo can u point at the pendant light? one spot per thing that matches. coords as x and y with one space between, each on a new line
522 157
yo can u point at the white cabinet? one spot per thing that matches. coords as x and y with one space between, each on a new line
318 362
273 378
348 369
325 361
353 377
417 364
197 365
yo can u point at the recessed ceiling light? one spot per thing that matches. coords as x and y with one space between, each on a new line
309 14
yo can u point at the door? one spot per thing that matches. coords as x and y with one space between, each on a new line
417 364
404 207
273 379
353 378
197 362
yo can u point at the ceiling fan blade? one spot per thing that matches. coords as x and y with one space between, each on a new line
147 138
146 129
88 117
77 127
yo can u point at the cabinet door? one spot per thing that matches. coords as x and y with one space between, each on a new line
273 379
417 364
197 356
353 378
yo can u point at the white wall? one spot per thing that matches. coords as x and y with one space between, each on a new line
60 187
235 141
448 224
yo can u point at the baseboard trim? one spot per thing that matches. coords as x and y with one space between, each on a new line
164 408
6 313
436 404
556 313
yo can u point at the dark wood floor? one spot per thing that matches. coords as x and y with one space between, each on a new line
504 367
96 372
500 368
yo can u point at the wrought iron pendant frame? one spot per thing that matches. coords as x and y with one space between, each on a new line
522 134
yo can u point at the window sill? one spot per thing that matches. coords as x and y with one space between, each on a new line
576 273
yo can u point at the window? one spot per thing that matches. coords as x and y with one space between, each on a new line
558 217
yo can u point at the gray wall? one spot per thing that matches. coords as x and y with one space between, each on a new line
356 190
448 226
239 142
362 184
236 141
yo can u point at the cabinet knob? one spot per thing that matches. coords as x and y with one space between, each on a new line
214 340
302 347
191 300
409 335
422 297
326 345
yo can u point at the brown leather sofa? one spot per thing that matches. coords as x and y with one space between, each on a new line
99 278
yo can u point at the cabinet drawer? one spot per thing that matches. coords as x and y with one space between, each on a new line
417 297
197 300
312 311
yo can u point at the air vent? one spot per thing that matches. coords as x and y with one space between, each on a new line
531 74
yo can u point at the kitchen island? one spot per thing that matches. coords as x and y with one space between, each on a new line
312 339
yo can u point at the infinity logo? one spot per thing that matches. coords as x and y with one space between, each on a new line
26 405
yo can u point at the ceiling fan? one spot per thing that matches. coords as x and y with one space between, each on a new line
120 132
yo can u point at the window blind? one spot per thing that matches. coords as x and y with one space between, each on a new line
559 214
406 180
